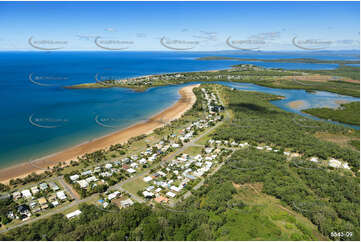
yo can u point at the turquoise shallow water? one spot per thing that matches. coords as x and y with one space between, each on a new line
37 120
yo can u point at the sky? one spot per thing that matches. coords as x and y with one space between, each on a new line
196 26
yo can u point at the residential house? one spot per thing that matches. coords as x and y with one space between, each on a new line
147 179
126 203
53 186
74 177
113 195
61 195
26 193
43 186
83 183
43 203
171 194
73 214
34 190
131 170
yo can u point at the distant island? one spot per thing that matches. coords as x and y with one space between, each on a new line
284 60
342 80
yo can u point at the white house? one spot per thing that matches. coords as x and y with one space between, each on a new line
142 161
26 193
16 195
43 186
34 190
198 157
147 179
113 195
105 174
182 159
61 195
170 194
243 144
131 171
55 203
314 159
73 214
126 203
148 194
53 186
85 173
105 204
208 150
334 163
134 165
150 188
161 173
175 145
83 183
91 179
174 188
345 165
74 177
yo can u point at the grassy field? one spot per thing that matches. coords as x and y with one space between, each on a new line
265 218
193 150
135 185
346 141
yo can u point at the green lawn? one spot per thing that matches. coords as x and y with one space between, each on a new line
135 185
193 150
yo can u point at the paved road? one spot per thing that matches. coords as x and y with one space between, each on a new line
67 187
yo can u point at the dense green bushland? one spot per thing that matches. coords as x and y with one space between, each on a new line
258 121
329 198
212 213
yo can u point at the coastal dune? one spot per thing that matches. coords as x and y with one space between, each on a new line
119 137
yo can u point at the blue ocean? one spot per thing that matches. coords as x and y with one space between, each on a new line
39 117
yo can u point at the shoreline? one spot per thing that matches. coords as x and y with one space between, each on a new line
93 85
121 136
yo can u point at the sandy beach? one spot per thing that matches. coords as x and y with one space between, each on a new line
342 101
122 136
297 104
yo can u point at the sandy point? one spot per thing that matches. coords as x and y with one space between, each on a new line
297 104
119 137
